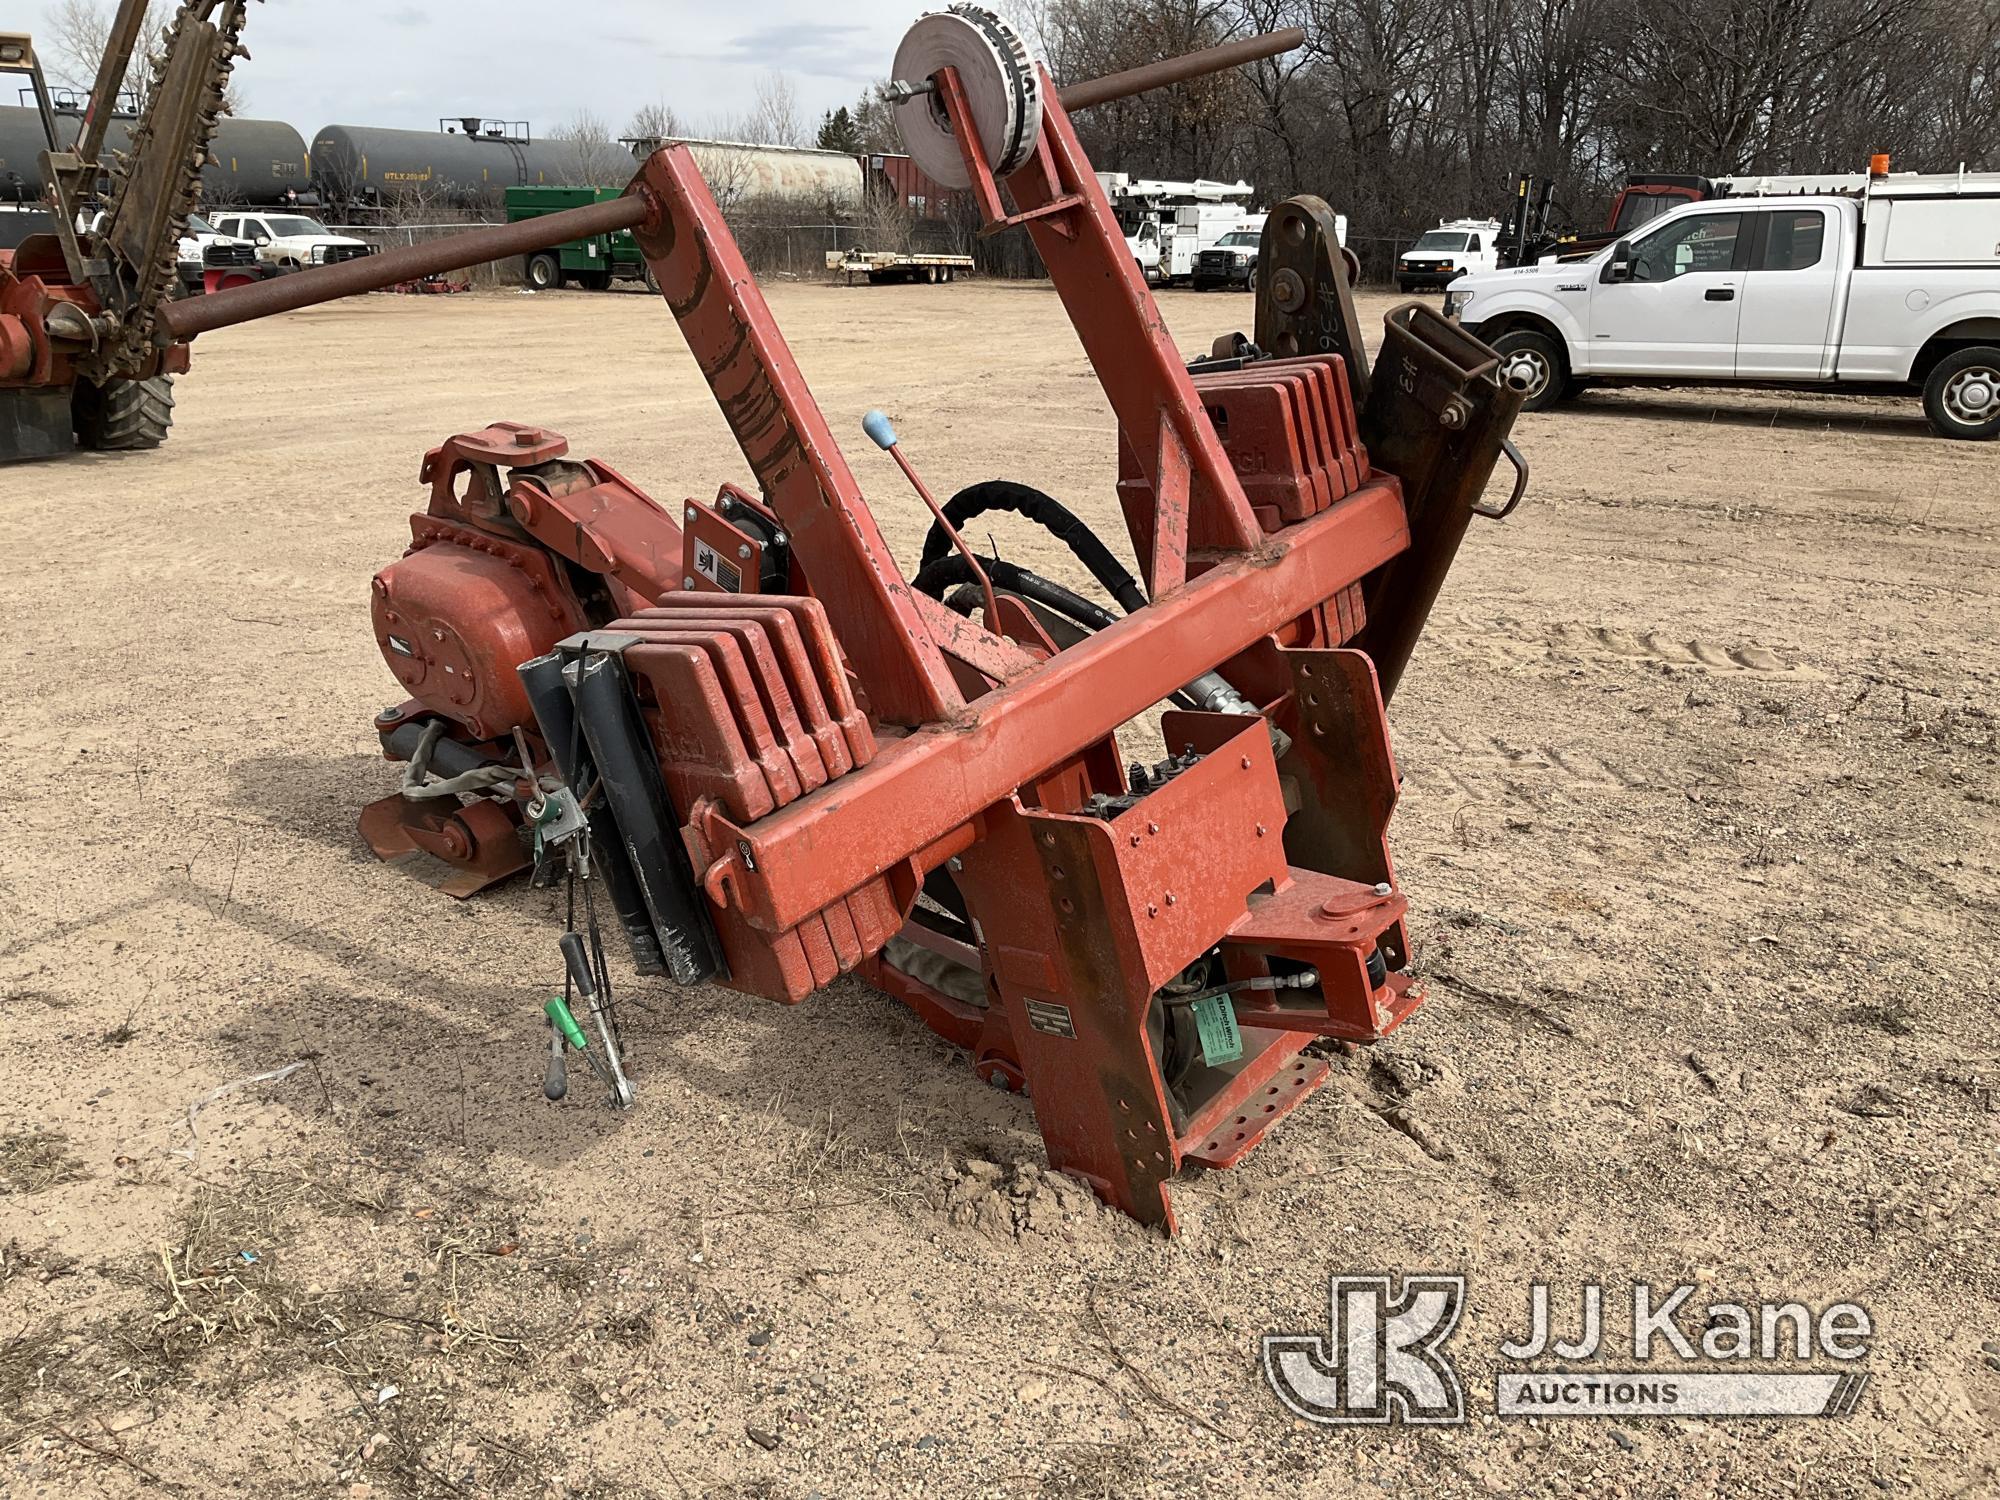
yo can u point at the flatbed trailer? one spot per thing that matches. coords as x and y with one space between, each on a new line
884 266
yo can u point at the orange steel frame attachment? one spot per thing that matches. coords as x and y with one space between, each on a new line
833 745
1265 854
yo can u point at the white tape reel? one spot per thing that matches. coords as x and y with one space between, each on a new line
1003 85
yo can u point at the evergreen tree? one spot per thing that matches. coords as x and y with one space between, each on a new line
837 132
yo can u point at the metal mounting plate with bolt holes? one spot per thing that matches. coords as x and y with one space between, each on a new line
1002 82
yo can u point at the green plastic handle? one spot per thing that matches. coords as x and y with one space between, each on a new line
565 1023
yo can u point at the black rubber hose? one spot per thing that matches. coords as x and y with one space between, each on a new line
952 569
939 574
1211 690
1053 517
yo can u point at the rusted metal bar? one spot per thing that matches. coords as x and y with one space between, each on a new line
407 263
788 445
119 45
1156 75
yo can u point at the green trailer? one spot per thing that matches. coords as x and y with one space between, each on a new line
592 263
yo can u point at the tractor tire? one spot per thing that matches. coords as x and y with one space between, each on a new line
652 281
1533 359
543 272
1353 263
1962 394
123 416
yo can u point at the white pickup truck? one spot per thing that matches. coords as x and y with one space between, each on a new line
290 241
207 258
1894 284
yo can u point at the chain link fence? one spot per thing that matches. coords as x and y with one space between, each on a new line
774 247
396 236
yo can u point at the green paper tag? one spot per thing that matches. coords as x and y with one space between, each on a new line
1215 1018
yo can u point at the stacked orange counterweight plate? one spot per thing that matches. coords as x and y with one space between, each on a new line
747 703
1289 429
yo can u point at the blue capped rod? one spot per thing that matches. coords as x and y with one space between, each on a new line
882 433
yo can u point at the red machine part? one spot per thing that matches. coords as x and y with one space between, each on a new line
35 296
459 612
747 701
831 751
225 278
477 839
26 355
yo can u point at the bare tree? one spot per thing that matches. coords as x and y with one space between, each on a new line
1966 81
886 222
774 118
875 121
73 35
650 125
1402 112
594 156
1406 111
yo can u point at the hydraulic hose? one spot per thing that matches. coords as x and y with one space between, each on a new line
1053 517
941 573
1304 979
952 569
1209 691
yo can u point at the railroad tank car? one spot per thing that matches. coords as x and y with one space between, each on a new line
740 171
362 165
22 144
252 161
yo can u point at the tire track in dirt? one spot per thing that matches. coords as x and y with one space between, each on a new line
1485 770
1506 639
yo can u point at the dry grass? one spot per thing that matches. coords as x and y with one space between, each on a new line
222 1305
32 1161
215 1279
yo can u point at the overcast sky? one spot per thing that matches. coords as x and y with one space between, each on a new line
404 63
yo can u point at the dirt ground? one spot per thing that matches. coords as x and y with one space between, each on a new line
1698 825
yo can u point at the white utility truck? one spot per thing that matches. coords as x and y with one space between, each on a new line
1883 281
1167 224
1200 227
1442 255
